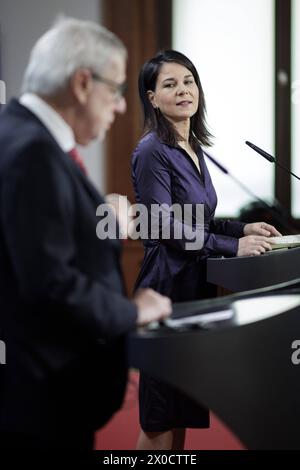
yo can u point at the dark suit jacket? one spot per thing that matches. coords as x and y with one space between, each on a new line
63 315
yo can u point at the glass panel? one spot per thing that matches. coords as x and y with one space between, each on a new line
295 107
232 45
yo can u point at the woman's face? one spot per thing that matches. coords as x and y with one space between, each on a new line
176 93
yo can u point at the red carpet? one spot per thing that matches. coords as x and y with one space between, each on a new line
122 431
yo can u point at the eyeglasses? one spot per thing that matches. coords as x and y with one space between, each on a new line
119 89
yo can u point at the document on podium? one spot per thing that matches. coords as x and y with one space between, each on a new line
286 241
202 319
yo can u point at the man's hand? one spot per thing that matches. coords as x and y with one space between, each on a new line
122 209
152 306
261 228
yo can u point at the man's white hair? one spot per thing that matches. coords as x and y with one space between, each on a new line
69 45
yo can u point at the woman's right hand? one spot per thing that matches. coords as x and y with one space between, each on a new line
253 245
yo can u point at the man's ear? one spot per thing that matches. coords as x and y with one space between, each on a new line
152 99
81 84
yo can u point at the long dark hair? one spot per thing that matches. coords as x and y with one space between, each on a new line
154 120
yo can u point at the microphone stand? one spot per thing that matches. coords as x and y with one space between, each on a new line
270 158
280 219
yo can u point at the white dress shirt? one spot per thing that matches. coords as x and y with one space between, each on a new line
56 125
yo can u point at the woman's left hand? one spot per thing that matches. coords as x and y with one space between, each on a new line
261 228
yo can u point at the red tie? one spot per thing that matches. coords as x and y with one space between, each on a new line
76 157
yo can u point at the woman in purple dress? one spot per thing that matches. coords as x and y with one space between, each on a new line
169 168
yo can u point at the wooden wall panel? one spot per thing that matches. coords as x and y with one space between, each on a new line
145 27
283 101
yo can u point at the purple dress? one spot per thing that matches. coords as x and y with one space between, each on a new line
166 174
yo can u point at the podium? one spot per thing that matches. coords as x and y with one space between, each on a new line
252 272
239 368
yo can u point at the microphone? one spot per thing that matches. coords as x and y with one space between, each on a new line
218 164
269 158
280 218
239 183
